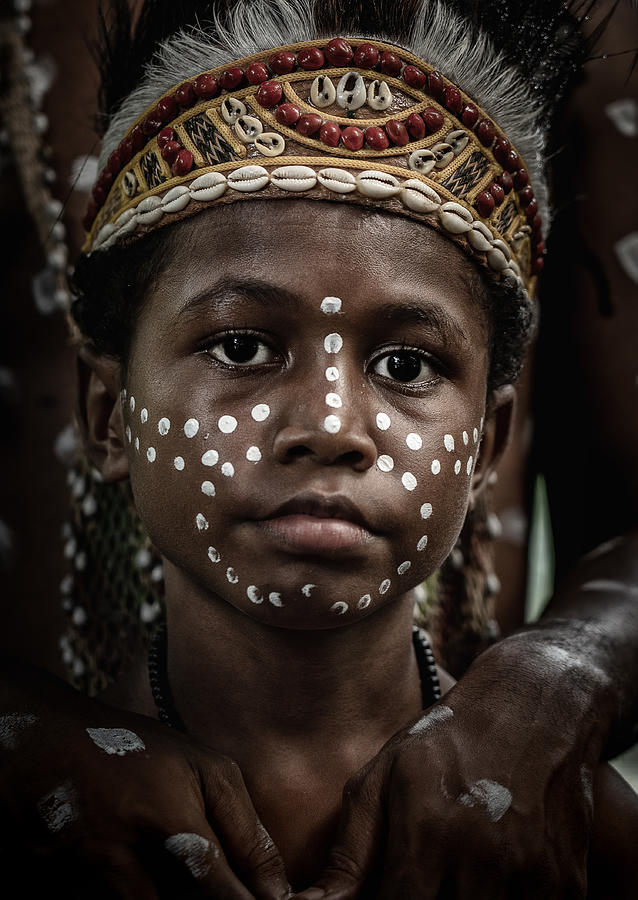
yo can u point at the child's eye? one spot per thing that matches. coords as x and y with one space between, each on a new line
241 350
405 366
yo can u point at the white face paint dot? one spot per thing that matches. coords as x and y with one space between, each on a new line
163 426
332 424
334 400
468 468
436 467
132 404
213 555
414 441
331 305
422 543
384 587
254 595
230 575
332 373
201 522
385 463
364 602
457 467
333 343
227 424
127 432
116 741
191 428
475 435
228 469
137 444
208 488
409 481
383 421
403 568
465 438
448 443
426 510
253 454
307 589
179 463
260 412
210 458
151 455
144 416
339 608
275 599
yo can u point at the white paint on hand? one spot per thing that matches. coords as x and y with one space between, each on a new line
339 608
12 725
193 850
492 796
179 463
332 373
422 543
307 589
228 469
448 443
334 400
59 809
227 424
164 426
213 555
435 717
210 458
253 454
409 481
333 343
116 741
385 463
191 428
331 305
332 424
414 441
201 522
254 594
260 412
208 488
383 421
436 467
403 568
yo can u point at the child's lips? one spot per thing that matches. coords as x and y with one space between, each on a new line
314 535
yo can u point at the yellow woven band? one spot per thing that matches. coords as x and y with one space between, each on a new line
358 121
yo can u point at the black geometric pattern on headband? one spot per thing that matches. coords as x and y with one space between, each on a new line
209 141
507 216
467 175
151 170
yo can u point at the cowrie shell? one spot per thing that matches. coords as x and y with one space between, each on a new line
496 260
126 222
351 91
379 185
338 180
422 161
294 178
458 141
150 211
247 128
455 218
419 197
480 237
176 199
500 245
104 234
129 183
248 178
208 187
379 95
443 153
270 144
232 109
323 92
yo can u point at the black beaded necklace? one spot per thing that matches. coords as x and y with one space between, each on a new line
163 696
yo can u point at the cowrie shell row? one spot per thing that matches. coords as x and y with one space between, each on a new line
323 92
209 186
338 180
248 178
379 185
480 237
455 218
294 178
419 197
176 199
150 211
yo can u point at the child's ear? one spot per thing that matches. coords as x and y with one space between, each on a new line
499 417
100 413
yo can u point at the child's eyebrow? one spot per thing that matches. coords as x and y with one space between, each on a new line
223 297
432 315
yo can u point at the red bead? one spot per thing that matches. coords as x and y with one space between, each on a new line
105 180
269 93
537 225
512 160
282 63
485 132
391 63
256 73
99 195
151 124
185 94
498 193
485 204
433 119
397 132
416 126
232 78
505 181
540 248
206 86
436 85
352 138
166 109
311 58
125 150
166 134
531 209
366 56
469 115
288 114
309 124
183 162
376 138
414 77
330 134
170 151
538 265
520 179
114 163
138 138
339 52
453 99
526 195
500 150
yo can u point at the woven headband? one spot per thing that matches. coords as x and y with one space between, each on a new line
341 120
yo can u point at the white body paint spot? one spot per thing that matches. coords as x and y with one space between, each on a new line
448 443
466 438
627 252
385 463
210 458
179 463
275 599
307 589
254 594
414 441
468 468
457 467
384 587
260 412
127 432
383 421
403 568
438 715
228 469
201 522
116 741
475 435
332 424
331 305
151 454
230 575
12 725
59 809
137 444
422 543
409 481
253 454
624 114
494 797
364 602
193 850
191 428
333 343
227 424
426 510
132 404
332 373
334 400
208 488
436 467
213 555
164 426
339 608
144 416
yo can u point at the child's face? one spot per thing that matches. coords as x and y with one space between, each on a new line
304 406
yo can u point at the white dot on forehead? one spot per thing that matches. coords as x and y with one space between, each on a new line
334 400
213 555
253 454
436 467
385 463
333 343
414 442
409 481
163 426
191 428
457 467
465 438
403 568
227 424
260 412
468 468
331 305
426 510
144 416
384 587
179 463
332 424
208 488
332 373
422 543
228 469
383 421
201 522
448 443
210 458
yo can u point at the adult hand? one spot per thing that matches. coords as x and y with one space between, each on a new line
105 803
488 795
